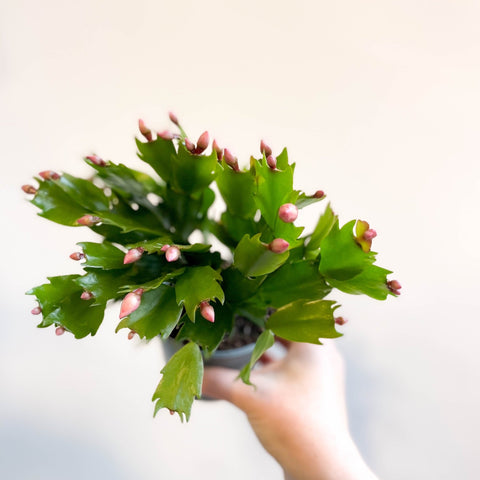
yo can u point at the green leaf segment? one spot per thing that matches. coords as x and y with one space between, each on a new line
281 290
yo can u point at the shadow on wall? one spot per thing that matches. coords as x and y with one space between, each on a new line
28 453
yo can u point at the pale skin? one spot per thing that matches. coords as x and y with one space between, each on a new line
297 411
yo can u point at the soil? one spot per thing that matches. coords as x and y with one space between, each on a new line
244 332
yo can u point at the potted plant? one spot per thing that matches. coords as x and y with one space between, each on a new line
273 280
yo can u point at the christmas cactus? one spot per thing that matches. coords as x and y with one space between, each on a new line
272 276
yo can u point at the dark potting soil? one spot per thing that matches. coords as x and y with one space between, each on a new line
244 332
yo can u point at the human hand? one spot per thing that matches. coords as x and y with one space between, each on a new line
297 411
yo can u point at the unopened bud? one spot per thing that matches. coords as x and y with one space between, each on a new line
59 331
207 311
88 220
29 189
279 245
144 130
133 255
218 150
131 334
173 118
96 160
49 175
264 148
370 234
172 412
230 160
172 254
166 135
77 256
86 295
190 146
318 194
272 162
202 143
288 212
165 248
36 311
131 302
341 321
394 286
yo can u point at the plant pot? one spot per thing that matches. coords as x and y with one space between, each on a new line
234 358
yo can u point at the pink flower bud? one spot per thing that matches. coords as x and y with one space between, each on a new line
59 331
173 118
172 254
288 212
190 146
341 321
29 189
272 162
202 143
166 135
36 311
165 248
144 130
394 286
88 220
96 160
279 245
49 175
207 311
218 150
230 160
318 194
264 148
133 255
86 295
131 334
370 234
77 256
131 302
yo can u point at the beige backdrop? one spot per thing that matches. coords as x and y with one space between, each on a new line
378 102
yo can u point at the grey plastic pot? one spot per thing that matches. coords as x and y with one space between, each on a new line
235 358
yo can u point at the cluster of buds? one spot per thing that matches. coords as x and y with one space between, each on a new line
202 144
49 175
131 302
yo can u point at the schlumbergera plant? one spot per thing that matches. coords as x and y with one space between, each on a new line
274 277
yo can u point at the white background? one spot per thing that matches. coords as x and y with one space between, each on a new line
378 102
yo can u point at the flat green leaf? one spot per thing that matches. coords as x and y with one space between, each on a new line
159 154
61 305
237 190
196 285
264 342
181 381
56 205
206 334
293 281
237 227
325 223
84 192
253 258
158 314
305 321
192 173
103 284
372 282
152 284
341 257
102 255
156 244
237 287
